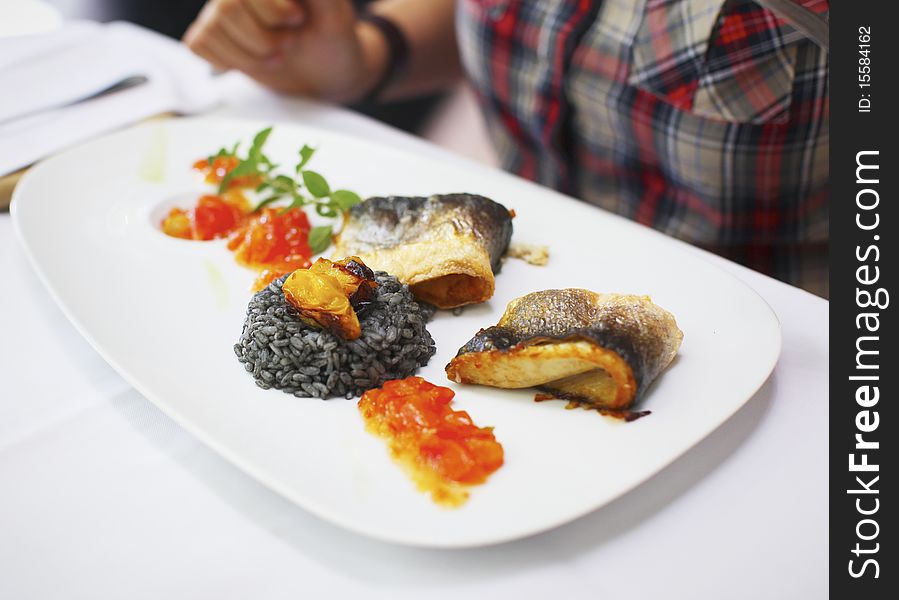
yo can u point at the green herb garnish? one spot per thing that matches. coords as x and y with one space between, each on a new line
307 188
319 238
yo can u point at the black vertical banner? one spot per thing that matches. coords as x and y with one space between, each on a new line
864 171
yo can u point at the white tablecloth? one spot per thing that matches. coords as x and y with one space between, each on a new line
102 496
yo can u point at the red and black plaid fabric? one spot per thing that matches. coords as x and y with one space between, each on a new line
707 120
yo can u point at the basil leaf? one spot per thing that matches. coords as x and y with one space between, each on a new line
316 184
284 183
319 238
306 153
255 153
244 167
345 199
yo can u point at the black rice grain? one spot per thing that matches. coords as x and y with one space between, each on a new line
283 352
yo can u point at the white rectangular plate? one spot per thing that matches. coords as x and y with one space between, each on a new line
165 314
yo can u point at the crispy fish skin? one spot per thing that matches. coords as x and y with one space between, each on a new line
599 349
446 247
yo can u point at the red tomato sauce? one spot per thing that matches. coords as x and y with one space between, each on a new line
213 217
443 450
272 241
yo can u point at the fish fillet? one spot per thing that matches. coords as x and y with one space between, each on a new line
447 248
602 350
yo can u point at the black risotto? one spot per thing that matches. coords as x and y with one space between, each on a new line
283 352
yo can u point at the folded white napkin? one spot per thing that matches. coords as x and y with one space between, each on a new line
48 80
23 17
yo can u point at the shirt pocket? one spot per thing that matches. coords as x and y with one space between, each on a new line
729 61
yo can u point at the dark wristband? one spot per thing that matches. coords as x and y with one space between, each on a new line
397 53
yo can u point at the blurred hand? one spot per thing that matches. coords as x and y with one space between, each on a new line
309 47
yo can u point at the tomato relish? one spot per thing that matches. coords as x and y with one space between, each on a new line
444 451
213 217
273 241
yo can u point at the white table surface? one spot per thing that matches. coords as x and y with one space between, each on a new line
102 496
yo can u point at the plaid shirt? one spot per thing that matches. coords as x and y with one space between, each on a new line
706 119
